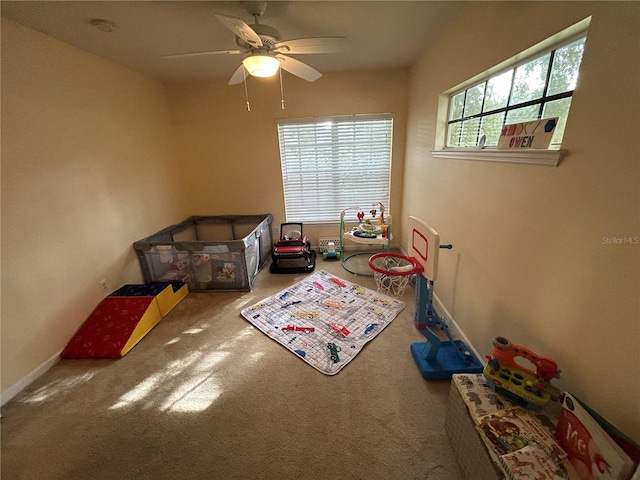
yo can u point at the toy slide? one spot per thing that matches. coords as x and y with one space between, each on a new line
122 319
166 297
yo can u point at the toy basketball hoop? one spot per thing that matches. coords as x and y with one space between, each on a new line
392 271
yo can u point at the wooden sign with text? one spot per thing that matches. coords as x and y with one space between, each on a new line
534 134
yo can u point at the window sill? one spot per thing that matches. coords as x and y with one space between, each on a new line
549 158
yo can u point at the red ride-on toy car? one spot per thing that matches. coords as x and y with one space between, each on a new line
292 254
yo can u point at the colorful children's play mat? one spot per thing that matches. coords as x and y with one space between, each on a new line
323 319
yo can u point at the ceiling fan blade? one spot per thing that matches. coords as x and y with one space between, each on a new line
241 29
298 68
199 54
312 45
238 76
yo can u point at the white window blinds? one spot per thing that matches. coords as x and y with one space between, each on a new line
333 163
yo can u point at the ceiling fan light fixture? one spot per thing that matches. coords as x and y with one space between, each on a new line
261 65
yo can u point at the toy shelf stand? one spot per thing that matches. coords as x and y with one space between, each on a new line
469 400
372 231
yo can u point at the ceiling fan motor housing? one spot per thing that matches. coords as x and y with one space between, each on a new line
269 36
263 47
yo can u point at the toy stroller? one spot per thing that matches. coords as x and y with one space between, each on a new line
292 254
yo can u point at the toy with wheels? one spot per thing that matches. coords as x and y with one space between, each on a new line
292 253
523 386
331 252
436 359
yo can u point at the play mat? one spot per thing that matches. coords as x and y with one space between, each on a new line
323 319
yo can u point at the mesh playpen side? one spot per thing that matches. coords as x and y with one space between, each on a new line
208 253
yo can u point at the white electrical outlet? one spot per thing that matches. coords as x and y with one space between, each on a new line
103 285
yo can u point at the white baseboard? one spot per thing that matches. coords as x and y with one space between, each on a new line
17 387
454 326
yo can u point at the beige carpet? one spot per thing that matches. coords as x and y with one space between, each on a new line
205 395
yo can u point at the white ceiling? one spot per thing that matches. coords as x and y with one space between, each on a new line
391 33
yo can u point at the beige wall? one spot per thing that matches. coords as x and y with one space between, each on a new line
529 261
90 165
87 169
233 154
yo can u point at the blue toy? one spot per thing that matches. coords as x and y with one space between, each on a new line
436 359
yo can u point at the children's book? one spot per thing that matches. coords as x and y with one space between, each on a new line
630 447
518 442
592 452
531 462
510 430
480 399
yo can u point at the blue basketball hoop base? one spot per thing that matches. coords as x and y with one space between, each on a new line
438 359
448 360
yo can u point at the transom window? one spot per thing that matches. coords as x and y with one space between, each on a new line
541 87
330 164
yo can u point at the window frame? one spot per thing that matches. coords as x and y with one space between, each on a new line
299 211
547 157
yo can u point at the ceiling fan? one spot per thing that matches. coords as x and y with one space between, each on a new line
264 49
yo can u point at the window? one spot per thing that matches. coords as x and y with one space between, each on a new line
541 87
333 163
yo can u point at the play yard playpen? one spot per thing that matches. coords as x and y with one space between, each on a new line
208 253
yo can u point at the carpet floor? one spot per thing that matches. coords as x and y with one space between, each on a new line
205 395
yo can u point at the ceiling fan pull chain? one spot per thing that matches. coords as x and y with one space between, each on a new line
281 91
246 92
